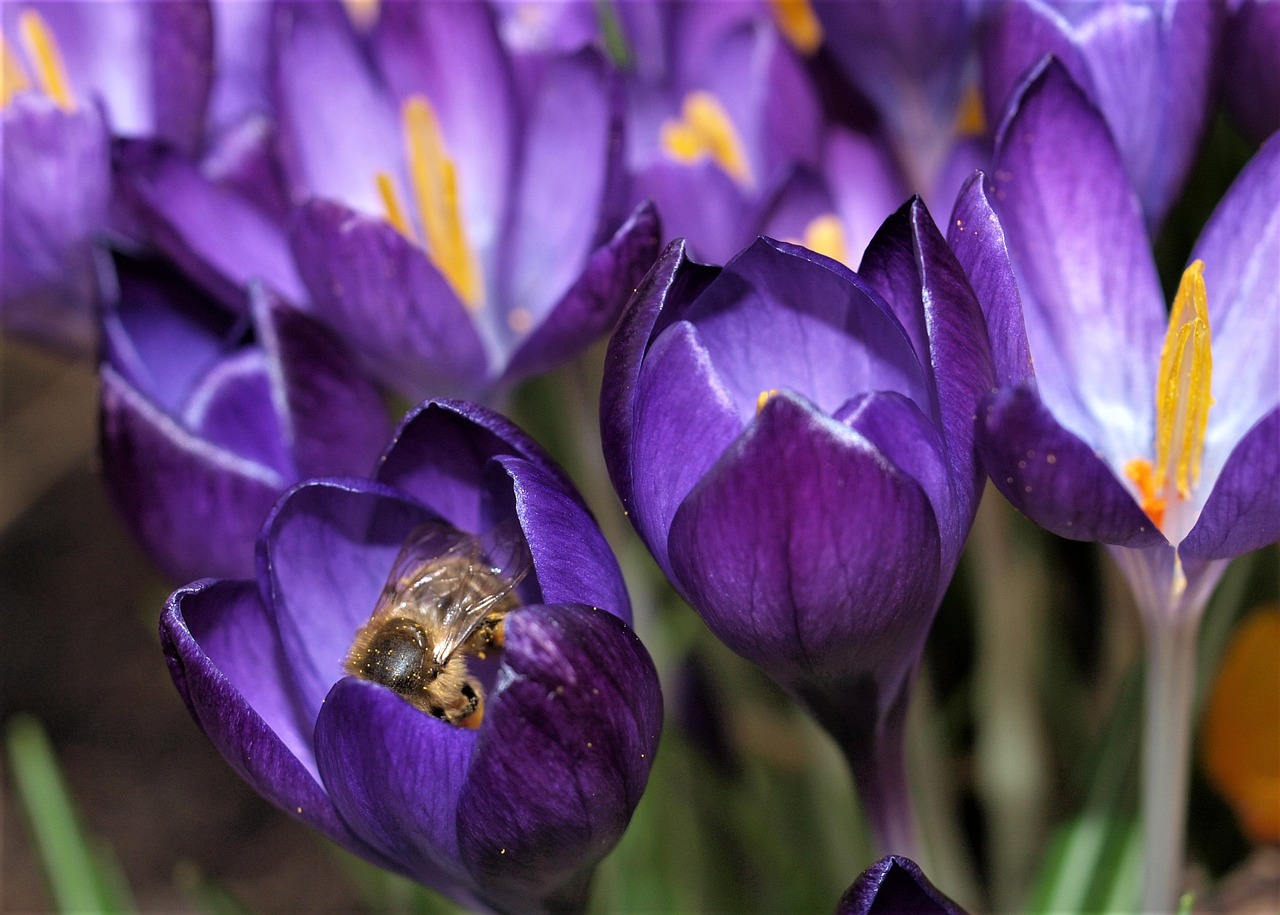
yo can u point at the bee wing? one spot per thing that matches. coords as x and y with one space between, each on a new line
494 566
417 565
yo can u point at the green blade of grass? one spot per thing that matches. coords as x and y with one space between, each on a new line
77 879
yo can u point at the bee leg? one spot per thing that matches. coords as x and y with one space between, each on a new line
472 691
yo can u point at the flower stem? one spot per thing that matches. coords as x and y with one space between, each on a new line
879 768
1170 688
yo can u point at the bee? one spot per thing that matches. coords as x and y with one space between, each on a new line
446 598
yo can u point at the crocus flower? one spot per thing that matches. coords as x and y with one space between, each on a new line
203 429
74 74
1147 64
1098 431
458 232
1252 71
721 111
793 442
915 63
511 815
895 885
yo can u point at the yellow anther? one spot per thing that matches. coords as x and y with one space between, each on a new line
435 190
825 235
1240 742
971 121
704 130
764 398
47 62
1183 400
798 24
363 13
13 78
391 203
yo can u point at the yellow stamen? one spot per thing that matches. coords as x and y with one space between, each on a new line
971 121
391 203
1182 402
363 13
1240 742
435 189
13 78
825 235
43 51
764 398
704 130
798 24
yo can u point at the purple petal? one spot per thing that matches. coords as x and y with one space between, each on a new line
779 316
1240 248
563 184
55 183
895 886
382 295
1242 512
563 755
1055 478
441 452
923 279
335 421
681 408
1252 78
675 279
195 508
701 204
1092 304
977 238
232 408
163 335
451 53
326 551
181 54
808 553
591 307
337 124
571 558
395 775
240 89
215 234
865 184
225 659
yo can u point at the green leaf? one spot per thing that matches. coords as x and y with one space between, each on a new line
80 876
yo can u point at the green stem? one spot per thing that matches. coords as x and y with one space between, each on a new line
1166 756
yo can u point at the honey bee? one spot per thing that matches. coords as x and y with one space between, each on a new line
446 597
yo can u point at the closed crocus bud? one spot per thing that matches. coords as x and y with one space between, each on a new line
895 886
207 419
794 443
434 667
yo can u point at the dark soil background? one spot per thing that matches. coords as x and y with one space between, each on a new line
79 651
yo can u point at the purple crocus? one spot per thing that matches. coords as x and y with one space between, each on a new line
1099 431
895 885
74 75
721 112
459 230
1147 64
511 815
207 419
794 444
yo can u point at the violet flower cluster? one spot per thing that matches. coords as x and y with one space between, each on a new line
274 225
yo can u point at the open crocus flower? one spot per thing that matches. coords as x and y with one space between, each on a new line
1148 66
793 442
203 429
721 112
895 885
458 230
510 812
1155 433
74 74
